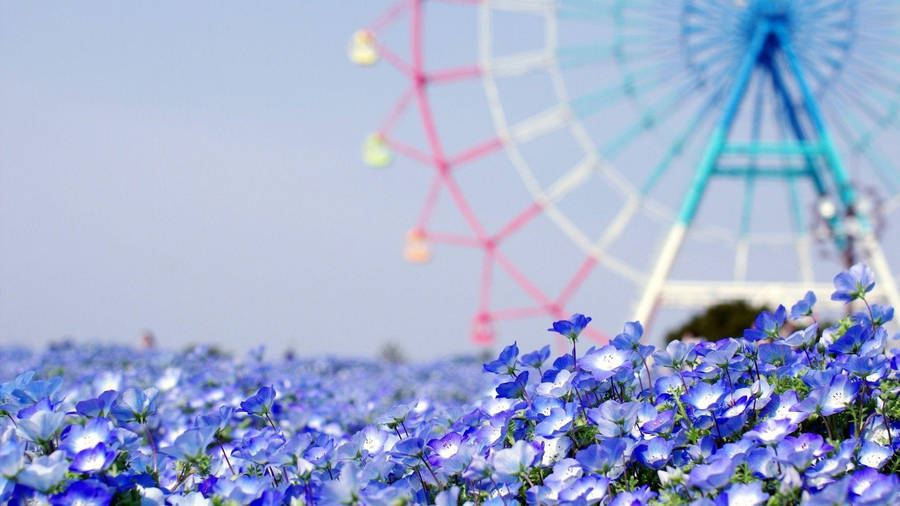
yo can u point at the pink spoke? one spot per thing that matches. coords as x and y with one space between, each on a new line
409 151
524 217
575 283
392 58
487 272
430 201
455 239
521 280
463 206
453 74
476 151
389 15
398 110
518 313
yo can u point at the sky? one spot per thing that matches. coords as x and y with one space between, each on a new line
193 169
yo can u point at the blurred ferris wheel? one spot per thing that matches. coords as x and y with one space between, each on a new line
766 129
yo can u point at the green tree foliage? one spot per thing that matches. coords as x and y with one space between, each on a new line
725 319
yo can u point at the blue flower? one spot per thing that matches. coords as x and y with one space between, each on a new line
558 421
704 396
771 431
260 403
572 327
654 453
767 325
514 389
536 358
506 362
604 362
804 306
853 283
839 393
511 462
135 405
868 486
43 473
93 460
76 438
84 493
750 494
606 458
713 475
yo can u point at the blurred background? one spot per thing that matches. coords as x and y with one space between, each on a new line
193 170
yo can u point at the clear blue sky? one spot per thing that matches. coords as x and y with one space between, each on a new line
193 168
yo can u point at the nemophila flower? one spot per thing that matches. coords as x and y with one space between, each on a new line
135 405
98 406
514 389
260 403
614 419
572 327
43 473
506 362
93 460
84 493
32 391
638 497
804 306
190 446
602 363
510 463
39 423
555 383
873 455
771 430
537 358
190 499
444 448
880 314
605 458
558 421
654 453
868 486
12 457
738 494
767 325
804 338
704 396
713 475
75 438
840 392
853 283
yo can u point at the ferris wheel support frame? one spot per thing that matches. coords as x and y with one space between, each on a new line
659 288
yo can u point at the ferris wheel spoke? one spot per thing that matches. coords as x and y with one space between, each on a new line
474 152
409 151
572 179
656 114
520 279
634 84
863 144
577 56
540 124
533 6
518 64
682 140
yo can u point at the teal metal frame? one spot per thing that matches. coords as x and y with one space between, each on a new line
819 156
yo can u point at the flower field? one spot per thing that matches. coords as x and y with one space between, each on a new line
787 413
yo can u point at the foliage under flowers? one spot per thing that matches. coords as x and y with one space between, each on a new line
769 417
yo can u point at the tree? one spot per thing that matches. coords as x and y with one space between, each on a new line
725 319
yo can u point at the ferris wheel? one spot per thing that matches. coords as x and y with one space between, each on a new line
765 130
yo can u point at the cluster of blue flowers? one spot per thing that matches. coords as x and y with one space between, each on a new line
787 413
